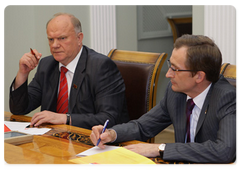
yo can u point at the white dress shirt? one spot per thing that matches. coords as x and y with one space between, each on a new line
71 69
199 101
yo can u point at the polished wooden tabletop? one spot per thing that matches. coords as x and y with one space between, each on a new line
60 144
57 146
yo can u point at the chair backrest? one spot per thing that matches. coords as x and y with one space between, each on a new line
229 72
180 26
140 71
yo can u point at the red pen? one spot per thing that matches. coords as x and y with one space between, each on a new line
33 53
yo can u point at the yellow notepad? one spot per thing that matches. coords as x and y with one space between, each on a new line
116 156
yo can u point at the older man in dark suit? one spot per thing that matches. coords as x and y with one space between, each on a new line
89 91
205 130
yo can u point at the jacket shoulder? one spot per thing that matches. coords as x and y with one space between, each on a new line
222 85
97 59
47 62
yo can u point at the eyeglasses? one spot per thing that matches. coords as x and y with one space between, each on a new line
173 69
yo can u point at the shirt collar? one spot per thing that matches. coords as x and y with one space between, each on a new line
73 64
199 100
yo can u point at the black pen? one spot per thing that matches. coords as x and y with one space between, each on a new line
33 53
30 126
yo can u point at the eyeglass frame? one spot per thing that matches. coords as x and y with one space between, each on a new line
173 69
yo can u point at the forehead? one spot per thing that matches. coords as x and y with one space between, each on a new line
59 25
179 57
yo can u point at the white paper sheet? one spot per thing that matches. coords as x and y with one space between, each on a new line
21 127
96 149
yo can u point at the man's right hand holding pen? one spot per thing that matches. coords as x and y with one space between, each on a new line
108 136
145 149
26 64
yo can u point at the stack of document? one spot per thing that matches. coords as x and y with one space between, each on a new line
111 155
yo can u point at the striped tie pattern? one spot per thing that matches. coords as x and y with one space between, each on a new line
62 101
190 106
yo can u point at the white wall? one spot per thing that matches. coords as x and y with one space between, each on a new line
198 20
126 17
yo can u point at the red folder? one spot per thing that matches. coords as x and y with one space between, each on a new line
6 129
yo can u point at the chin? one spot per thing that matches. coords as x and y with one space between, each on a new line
174 88
58 57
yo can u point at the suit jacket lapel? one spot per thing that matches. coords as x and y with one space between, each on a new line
204 111
54 79
78 77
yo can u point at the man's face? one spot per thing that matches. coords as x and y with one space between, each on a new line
182 81
64 43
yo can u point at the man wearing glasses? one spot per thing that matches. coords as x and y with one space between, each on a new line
200 104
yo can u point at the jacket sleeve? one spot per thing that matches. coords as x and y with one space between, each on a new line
25 98
18 101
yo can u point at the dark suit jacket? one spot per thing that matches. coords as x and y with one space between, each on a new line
215 139
97 92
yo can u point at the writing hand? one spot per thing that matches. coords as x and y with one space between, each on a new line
107 136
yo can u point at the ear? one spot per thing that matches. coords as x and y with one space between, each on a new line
80 37
200 76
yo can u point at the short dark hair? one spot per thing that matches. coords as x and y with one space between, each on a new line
202 55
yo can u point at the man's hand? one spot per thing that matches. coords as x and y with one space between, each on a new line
48 117
148 149
26 64
108 136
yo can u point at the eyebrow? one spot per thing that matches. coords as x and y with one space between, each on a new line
61 36
173 64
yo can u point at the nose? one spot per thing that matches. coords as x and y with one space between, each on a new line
55 44
170 73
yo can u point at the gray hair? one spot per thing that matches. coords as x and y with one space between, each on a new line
76 23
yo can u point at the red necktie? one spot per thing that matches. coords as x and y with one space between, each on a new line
62 101
190 106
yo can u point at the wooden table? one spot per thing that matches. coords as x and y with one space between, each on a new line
57 146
